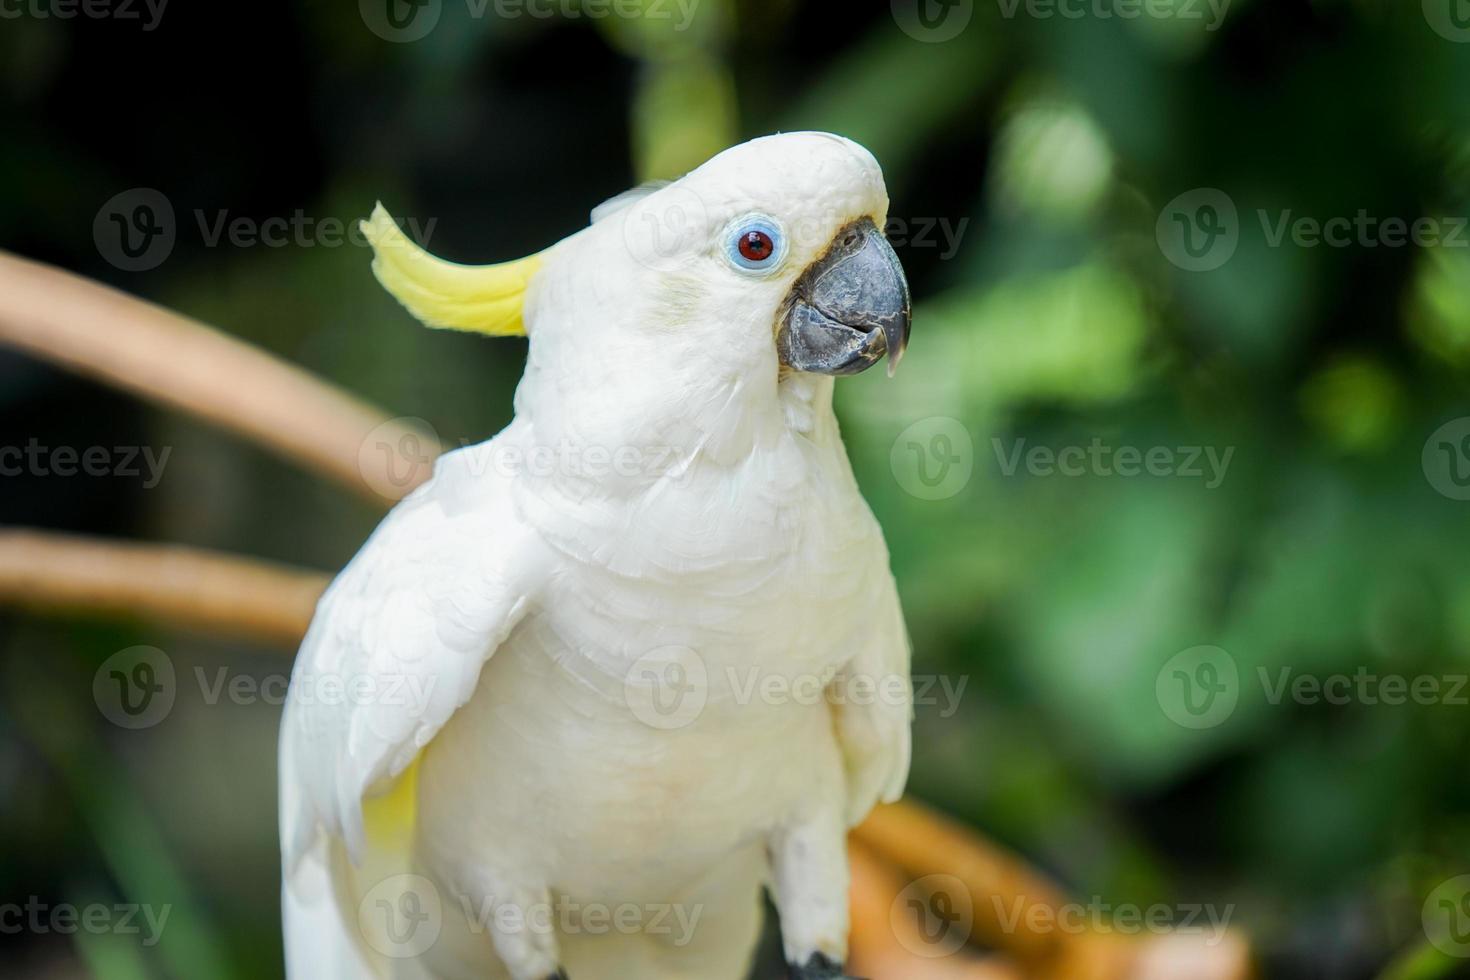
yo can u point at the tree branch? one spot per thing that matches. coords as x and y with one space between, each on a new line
886 941
923 843
176 362
1034 924
204 590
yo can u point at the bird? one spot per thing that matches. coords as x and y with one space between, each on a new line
606 679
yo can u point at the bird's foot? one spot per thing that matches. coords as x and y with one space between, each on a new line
819 967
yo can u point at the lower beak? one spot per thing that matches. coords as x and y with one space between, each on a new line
849 308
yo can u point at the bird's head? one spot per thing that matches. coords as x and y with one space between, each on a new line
777 240
767 260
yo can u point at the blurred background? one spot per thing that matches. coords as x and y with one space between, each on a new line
1175 485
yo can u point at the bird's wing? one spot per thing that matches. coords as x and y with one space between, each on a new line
873 708
397 645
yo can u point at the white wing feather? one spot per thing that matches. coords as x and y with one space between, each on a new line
397 645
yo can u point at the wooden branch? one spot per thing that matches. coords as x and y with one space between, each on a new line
923 843
1019 910
886 941
179 363
203 590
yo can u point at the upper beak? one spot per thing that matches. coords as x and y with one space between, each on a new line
849 308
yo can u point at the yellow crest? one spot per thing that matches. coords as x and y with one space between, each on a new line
478 298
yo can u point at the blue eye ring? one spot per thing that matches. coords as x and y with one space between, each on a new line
755 244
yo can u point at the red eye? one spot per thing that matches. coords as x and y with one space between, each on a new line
756 246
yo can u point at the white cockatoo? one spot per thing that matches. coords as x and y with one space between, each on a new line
603 677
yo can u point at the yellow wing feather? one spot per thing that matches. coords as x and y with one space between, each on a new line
479 298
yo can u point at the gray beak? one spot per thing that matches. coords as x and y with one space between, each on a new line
849 308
